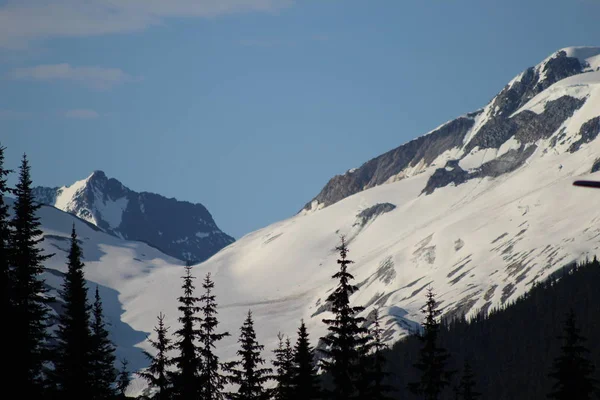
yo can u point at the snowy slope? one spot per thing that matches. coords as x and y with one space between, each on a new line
480 209
180 229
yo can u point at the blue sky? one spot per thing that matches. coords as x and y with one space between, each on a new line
250 106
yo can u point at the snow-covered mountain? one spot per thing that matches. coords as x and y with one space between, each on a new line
480 209
183 230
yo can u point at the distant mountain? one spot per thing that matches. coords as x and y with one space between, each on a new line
180 229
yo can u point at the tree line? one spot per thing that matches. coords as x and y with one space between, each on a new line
78 360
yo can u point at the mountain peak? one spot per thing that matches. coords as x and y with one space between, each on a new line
97 174
180 229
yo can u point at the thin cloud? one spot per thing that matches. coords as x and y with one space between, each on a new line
93 77
25 21
81 114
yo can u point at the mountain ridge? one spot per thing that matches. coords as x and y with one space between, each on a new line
487 127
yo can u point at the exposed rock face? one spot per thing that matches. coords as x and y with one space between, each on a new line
373 212
527 126
500 123
380 169
596 166
589 131
180 229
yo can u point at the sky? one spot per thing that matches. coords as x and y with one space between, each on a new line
250 106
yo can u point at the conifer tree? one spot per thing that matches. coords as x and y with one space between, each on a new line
211 376
72 365
466 386
246 372
186 380
377 389
157 373
103 368
30 318
305 382
284 369
433 359
347 337
572 370
6 276
6 273
123 378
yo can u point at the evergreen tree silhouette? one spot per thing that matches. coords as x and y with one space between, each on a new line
157 373
247 372
284 369
433 359
305 381
30 318
73 353
376 374
123 378
466 386
211 376
346 339
186 379
7 279
572 370
103 359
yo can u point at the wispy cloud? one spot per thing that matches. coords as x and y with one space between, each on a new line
93 77
24 21
81 113
13 114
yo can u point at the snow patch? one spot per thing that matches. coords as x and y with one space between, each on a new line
476 158
111 211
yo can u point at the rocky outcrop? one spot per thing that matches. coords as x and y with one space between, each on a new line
527 126
378 170
588 132
454 174
596 166
373 212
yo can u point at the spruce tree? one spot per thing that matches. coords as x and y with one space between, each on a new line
72 365
377 389
345 341
284 369
6 273
157 373
466 386
246 372
6 276
30 318
103 358
572 370
186 379
433 359
123 378
211 376
305 382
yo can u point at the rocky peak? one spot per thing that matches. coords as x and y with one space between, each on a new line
180 229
